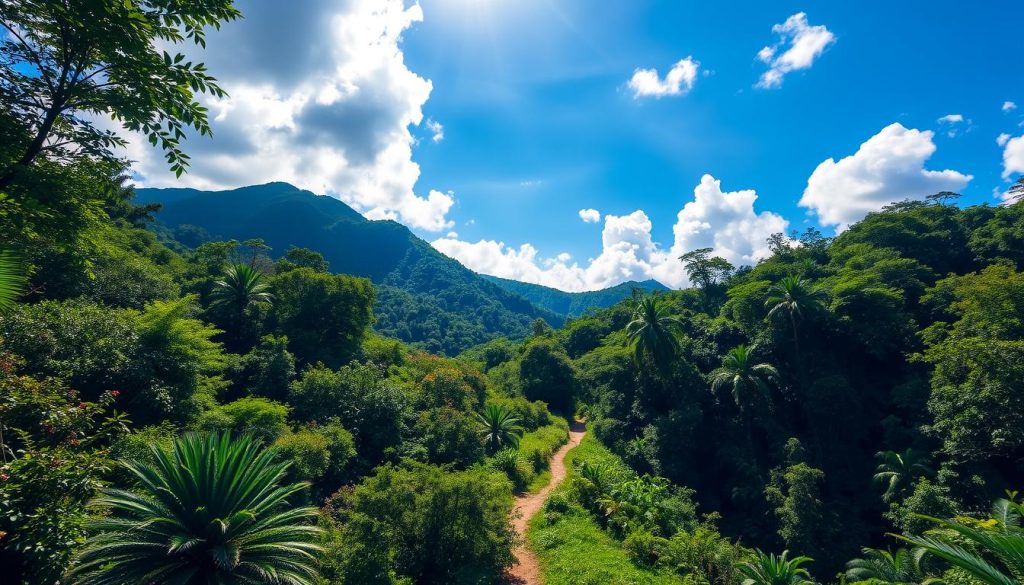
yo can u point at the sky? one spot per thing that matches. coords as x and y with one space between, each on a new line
579 144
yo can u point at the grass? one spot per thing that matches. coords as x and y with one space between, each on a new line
537 447
574 550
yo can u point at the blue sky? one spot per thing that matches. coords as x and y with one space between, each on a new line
535 118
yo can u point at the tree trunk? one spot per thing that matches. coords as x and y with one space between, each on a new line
34 148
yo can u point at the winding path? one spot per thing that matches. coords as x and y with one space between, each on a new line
526 571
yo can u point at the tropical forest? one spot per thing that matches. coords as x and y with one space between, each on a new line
206 381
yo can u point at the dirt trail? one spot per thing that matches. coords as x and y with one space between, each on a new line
527 569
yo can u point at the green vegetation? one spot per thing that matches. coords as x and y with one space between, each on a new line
221 505
179 407
575 304
422 296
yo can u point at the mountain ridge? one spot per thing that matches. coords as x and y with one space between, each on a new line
424 297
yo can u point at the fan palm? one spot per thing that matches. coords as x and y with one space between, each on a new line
991 551
744 378
12 279
897 471
499 427
768 569
651 332
241 288
214 511
882 566
793 296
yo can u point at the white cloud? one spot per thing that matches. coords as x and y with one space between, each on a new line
1008 105
678 81
319 97
1013 157
1002 139
436 129
953 124
590 215
888 167
721 220
800 44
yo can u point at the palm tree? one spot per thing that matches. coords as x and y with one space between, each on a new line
12 279
744 378
499 427
897 471
880 567
651 332
242 287
991 551
768 569
793 296
213 511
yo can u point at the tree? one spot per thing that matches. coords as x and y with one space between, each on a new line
325 316
989 550
214 510
64 64
12 279
547 374
651 332
897 471
499 427
792 296
768 569
704 269
879 567
744 378
241 288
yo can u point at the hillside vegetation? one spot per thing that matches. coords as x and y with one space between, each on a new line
176 408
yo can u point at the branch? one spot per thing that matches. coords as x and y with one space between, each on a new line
32 54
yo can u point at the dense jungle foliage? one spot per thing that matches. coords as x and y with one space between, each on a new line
178 410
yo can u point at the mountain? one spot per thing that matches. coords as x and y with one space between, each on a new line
423 297
574 304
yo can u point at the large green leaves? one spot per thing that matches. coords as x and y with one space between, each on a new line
212 511
13 282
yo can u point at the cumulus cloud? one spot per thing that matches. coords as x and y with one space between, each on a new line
436 130
725 221
798 46
590 215
952 118
1013 156
1002 139
888 167
326 104
678 81
1008 106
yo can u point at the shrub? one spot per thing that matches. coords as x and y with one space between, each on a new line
264 419
511 464
645 548
424 523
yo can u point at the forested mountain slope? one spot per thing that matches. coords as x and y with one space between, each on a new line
574 304
424 297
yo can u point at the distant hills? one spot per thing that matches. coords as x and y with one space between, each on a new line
424 297
574 304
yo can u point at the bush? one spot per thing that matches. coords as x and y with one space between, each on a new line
450 436
424 523
645 548
509 462
264 419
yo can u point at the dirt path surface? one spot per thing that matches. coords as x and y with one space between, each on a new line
526 571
